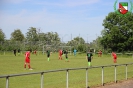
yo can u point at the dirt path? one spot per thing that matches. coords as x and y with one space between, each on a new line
124 84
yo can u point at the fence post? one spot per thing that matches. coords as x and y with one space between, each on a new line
126 71
67 78
115 74
42 80
86 77
102 75
7 82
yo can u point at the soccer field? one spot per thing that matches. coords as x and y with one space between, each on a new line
10 64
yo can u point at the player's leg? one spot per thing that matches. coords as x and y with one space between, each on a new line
61 57
66 58
29 66
89 62
115 60
25 63
48 57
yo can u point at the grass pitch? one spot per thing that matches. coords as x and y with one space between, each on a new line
10 64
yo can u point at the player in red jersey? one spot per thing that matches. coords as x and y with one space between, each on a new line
100 53
60 54
114 57
35 52
27 60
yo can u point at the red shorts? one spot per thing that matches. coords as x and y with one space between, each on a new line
27 60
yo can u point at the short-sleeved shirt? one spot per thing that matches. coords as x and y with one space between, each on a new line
27 55
89 55
114 55
75 51
48 52
60 52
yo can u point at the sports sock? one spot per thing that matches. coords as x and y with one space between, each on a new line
29 66
66 59
24 65
48 59
89 63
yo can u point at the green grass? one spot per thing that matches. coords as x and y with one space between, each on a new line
10 64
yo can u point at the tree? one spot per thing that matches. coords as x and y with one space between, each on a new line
96 44
17 35
32 34
78 43
2 35
117 33
52 38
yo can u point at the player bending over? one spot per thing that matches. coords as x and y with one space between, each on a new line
114 57
60 54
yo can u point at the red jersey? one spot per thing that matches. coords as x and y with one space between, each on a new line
35 52
60 52
114 55
27 55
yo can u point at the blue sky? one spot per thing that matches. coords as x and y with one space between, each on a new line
77 17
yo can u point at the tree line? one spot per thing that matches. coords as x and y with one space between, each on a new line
117 36
36 40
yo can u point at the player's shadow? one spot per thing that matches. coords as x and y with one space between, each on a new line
88 87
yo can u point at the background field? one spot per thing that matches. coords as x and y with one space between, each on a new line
10 64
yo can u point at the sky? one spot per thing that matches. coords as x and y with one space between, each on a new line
69 18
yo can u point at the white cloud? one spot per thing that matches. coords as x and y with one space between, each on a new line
63 23
49 22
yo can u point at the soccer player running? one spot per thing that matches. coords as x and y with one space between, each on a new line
66 55
27 60
89 57
48 54
114 57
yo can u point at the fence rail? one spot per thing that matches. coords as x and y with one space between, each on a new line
67 74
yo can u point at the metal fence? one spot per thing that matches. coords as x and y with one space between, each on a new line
67 74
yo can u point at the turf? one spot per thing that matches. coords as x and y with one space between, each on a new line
10 64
